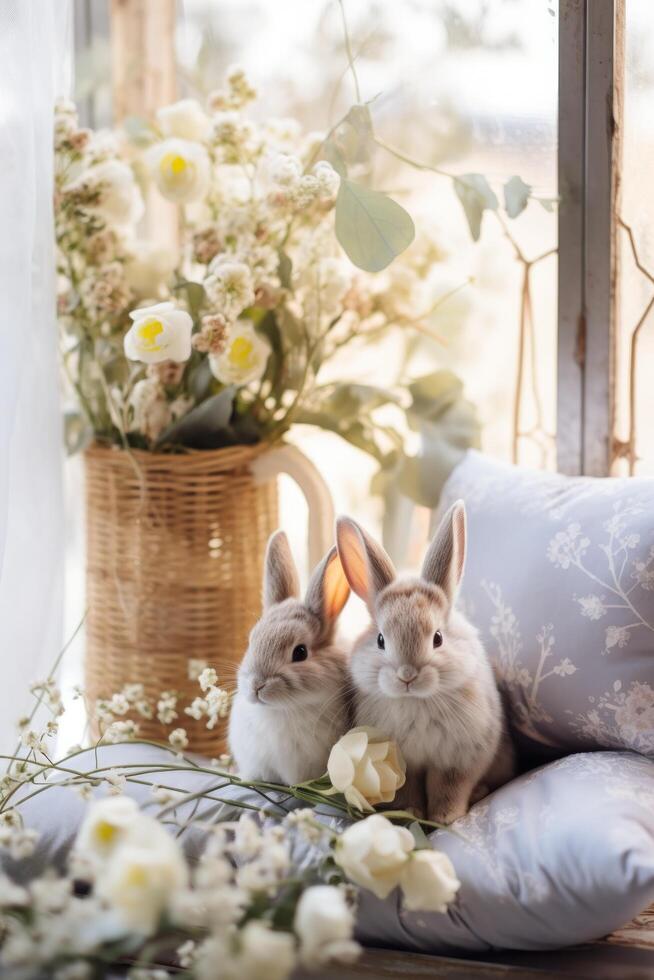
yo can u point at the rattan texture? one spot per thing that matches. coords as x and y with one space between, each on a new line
175 547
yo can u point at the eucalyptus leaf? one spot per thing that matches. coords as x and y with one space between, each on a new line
206 426
476 196
78 434
195 296
284 269
332 153
445 440
548 203
516 196
434 392
422 842
269 328
200 377
371 227
139 132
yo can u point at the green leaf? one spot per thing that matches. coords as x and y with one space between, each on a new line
195 296
138 131
284 269
371 227
432 393
548 203
420 837
77 432
476 196
206 426
445 440
332 153
269 328
516 196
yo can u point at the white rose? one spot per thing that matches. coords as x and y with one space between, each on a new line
139 881
119 199
108 824
324 925
184 119
149 267
180 170
373 853
429 881
159 333
264 953
244 358
366 767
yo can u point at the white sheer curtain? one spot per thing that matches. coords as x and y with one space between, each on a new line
34 69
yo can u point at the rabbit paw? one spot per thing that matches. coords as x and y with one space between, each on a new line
448 815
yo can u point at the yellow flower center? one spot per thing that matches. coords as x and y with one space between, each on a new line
240 352
136 876
148 333
173 165
106 832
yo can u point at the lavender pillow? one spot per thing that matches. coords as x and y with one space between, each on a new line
559 579
563 855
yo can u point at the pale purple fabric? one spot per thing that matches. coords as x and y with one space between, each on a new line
559 579
560 856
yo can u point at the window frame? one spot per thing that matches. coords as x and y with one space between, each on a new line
591 73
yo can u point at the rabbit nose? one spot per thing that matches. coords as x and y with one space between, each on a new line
407 673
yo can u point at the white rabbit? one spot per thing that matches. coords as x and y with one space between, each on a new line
291 703
421 674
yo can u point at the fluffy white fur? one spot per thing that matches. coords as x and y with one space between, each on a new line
286 716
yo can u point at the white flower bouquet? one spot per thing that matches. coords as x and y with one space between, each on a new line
274 888
283 264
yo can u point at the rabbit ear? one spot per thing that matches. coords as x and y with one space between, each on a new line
280 578
445 558
328 590
367 567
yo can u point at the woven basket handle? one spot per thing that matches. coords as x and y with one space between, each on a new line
289 460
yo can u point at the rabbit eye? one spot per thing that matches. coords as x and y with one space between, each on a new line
299 653
438 639
380 641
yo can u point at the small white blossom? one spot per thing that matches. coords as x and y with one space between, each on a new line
229 287
178 739
207 678
195 668
166 708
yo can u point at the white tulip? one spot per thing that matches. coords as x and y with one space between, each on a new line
244 358
366 767
373 853
159 333
149 267
324 925
429 882
180 169
184 119
139 881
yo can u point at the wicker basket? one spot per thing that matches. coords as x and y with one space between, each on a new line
175 547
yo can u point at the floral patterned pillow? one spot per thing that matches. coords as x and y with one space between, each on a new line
559 579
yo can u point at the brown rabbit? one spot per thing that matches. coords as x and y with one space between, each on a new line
421 674
291 704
